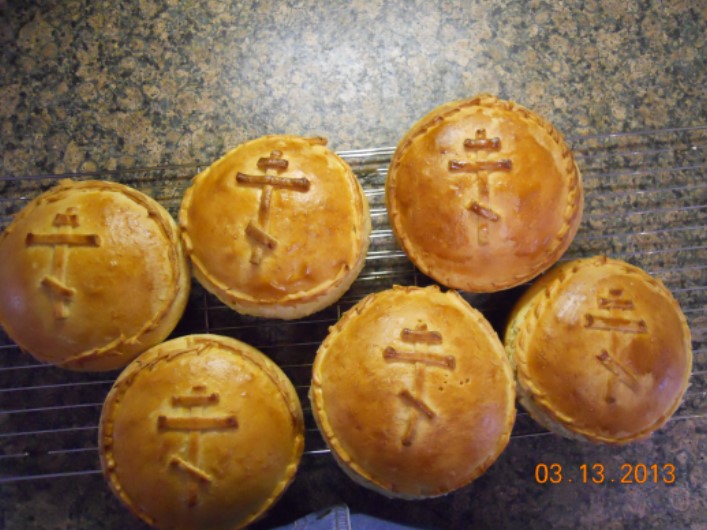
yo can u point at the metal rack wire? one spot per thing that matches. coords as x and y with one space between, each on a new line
645 202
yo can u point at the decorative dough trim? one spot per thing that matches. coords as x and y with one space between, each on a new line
196 345
573 207
354 470
166 226
524 323
300 303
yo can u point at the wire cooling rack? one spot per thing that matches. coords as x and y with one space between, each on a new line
645 202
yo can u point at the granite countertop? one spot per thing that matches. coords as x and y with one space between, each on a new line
92 86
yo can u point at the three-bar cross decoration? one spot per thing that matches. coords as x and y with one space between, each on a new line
481 205
607 321
61 241
421 360
257 230
194 425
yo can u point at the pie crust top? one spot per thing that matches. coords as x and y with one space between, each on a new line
92 274
413 392
601 349
202 431
279 222
483 194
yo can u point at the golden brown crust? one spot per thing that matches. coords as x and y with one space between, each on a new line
483 194
276 239
413 392
601 350
201 431
95 274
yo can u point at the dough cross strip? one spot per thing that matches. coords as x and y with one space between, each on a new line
194 426
481 206
256 231
421 360
616 326
60 293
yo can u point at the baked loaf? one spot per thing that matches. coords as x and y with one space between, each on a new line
201 432
601 350
276 228
483 194
92 274
413 392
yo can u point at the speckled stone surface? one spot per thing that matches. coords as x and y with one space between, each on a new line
97 85
89 85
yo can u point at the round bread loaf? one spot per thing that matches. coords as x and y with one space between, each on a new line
413 392
483 194
601 351
276 228
201 432
92 274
